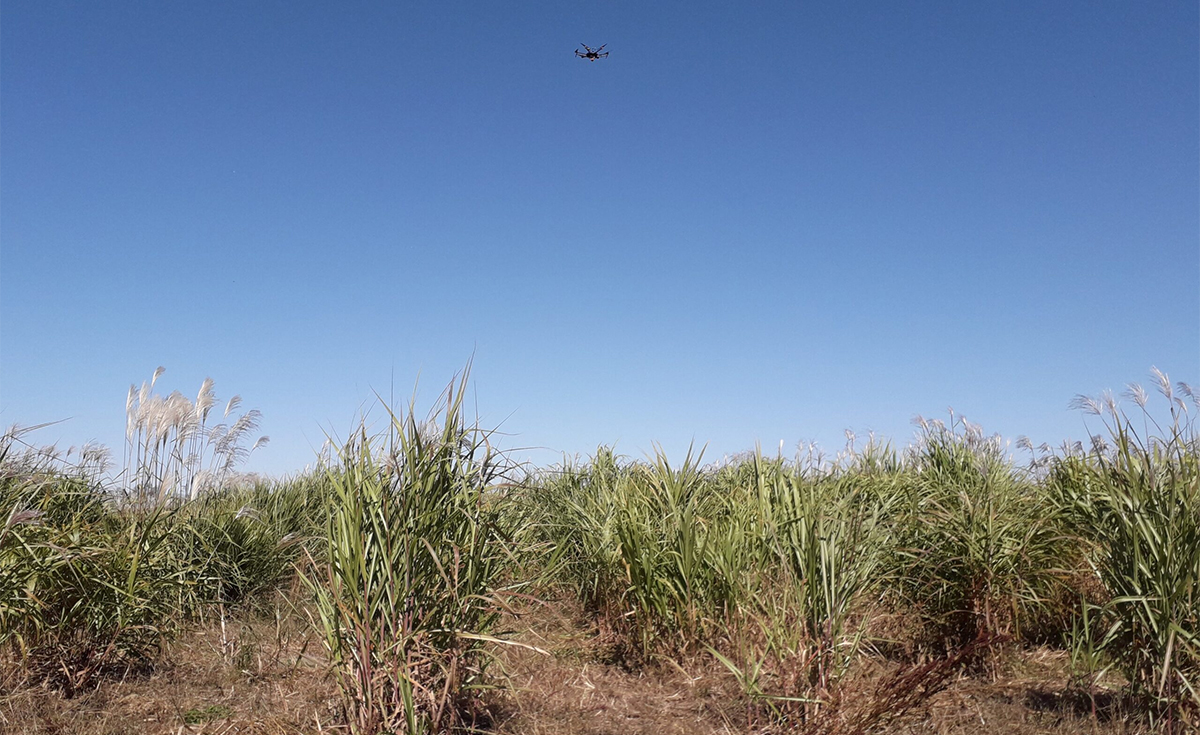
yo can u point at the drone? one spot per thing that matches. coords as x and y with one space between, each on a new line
591 55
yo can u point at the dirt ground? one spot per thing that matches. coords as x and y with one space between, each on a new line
262 681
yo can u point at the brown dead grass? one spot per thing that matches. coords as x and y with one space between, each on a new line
576 689
254 682
263 681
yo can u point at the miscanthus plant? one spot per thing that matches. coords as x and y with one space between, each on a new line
85 589
566 517
822 537
772 566
244 541
96 571
405 595
980 551
172 450
645 546
1134 499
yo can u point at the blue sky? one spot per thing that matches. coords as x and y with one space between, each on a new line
751 223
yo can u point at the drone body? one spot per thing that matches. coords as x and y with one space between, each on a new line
591 55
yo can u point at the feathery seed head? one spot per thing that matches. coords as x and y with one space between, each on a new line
1137 394
205 399
149 409
1164 383
246 422
1087 404
130 412
1110 402
179 409
247 512
1186 389
143 398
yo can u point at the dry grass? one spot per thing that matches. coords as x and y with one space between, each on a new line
575 691
245 681
257 681
578 688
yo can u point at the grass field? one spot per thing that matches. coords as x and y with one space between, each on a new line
419 581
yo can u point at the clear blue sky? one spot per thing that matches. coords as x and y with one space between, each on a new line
752 222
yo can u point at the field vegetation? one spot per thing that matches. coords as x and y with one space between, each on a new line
417 581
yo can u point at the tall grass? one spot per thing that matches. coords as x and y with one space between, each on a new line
243 542
778 567
84 589
981 552
406 594
1135 500
96 572
792 573
641 544
171 451
767 564
831 538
